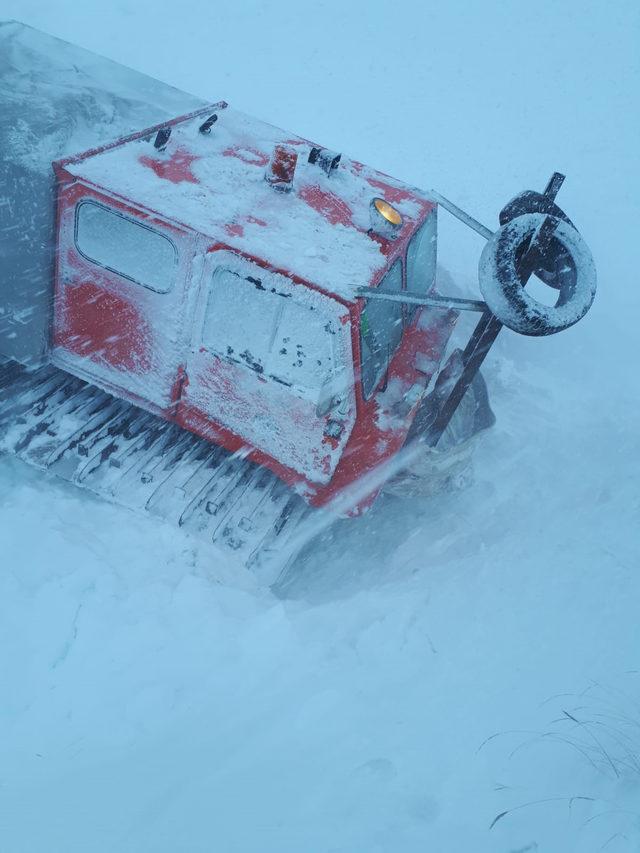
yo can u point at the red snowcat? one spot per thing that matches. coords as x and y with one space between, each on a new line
219 322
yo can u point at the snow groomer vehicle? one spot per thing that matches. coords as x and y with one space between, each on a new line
218 322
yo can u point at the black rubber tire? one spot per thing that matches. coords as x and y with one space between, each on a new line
530 201
503 289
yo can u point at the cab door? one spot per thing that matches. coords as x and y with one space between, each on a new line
120 297
270 368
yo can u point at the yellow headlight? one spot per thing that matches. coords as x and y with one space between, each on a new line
390 213
386 221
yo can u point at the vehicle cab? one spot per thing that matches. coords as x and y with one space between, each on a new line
208 271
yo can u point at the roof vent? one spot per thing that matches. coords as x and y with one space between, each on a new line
282 167
327 160
162 137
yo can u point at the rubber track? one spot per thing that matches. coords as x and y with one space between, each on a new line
60 423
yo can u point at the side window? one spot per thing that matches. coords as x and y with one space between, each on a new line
421 260
125 246
268 332
380 332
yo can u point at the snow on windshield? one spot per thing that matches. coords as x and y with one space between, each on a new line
269 332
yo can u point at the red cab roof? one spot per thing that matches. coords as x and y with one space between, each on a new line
214 183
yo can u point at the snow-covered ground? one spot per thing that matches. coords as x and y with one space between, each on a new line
155 700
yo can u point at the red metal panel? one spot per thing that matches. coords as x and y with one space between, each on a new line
240 407
118 334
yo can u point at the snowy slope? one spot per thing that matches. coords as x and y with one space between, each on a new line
154 700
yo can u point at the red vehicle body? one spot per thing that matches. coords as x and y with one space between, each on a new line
225 324
203 281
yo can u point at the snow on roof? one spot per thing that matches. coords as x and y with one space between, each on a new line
214 183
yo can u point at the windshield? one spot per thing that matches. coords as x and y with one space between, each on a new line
421 260
380 332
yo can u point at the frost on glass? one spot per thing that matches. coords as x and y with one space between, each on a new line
302 348
125 246
268 332
380 331
421 260
239 323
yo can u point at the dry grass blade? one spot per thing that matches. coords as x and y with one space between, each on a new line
569 800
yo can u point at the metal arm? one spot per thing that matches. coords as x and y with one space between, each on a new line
428 301
460 214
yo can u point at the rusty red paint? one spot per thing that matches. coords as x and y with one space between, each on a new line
282 167
334 209
103 327
180 382
394 195
334 443
251 156
236 229
369 443
100 324
176 168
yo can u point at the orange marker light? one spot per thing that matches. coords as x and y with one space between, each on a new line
386 221
390 213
